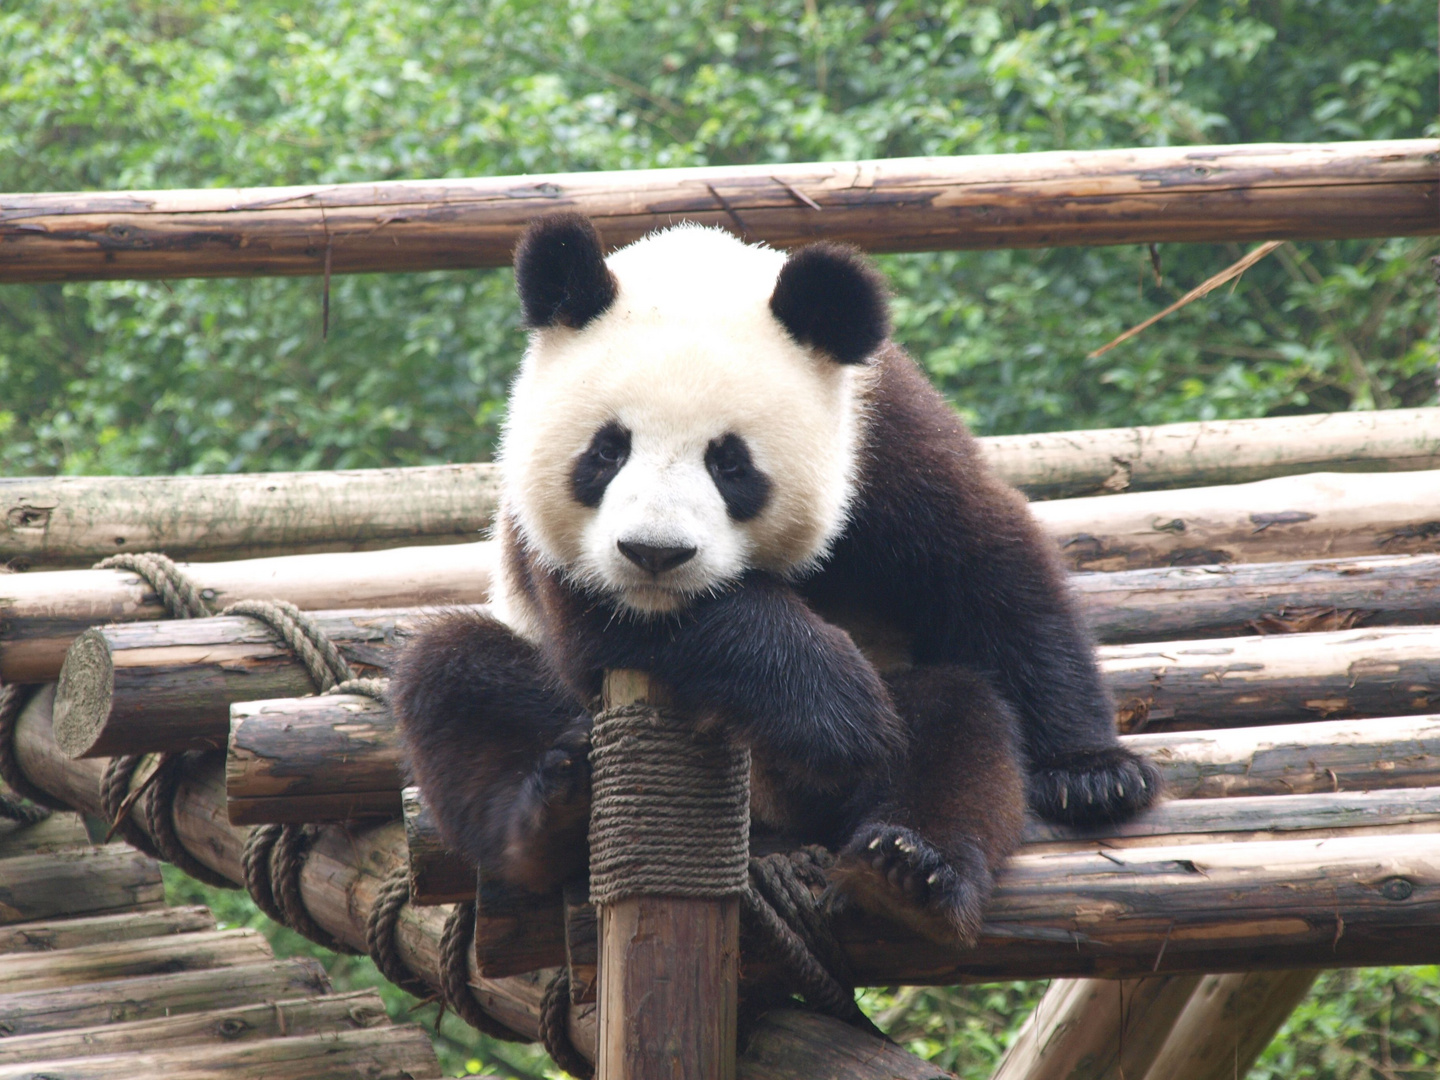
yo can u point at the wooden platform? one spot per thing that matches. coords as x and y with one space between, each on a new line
100 978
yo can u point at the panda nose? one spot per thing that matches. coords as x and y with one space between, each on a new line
655 559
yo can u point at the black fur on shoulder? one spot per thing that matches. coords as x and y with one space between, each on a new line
560 272
499 749
830 298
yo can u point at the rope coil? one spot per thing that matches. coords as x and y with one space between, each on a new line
670 811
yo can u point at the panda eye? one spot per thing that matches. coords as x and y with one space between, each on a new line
593 470
609 453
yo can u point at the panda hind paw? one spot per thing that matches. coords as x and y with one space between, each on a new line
893 871
1093 787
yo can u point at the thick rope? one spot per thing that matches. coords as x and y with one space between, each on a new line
287 859
305 639
255 868
380 934
160 818
670 812
455 948
116 804
181 598
555 1028
372 688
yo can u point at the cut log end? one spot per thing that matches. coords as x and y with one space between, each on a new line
82 700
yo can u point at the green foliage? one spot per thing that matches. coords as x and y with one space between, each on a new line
135 377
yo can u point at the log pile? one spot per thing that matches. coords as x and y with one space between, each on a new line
1272 641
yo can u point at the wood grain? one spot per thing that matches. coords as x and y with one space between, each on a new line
108 960
81 881
1176 194
51 934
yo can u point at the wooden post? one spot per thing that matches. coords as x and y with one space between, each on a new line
669 969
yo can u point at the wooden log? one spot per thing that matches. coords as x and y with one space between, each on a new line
148 687
158 996
436 875
1099 1029
1110 460
380 1053
331 758
669 966
59 830
1172 603
240 1023
86 881
1316 516
175 681
127 959
1228 1022
787 1044
74 521
1234 682
52 934
41 614
1173 194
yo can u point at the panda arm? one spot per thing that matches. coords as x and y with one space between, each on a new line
760 662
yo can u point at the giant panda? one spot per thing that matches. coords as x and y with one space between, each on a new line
717 468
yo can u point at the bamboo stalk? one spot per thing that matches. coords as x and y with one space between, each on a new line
239 1023
1173 194
154 997
126 959
41 614
49 935
398 1053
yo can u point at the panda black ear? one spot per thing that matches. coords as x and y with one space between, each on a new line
829 297
561 274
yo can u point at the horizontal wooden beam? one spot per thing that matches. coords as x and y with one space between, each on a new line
82 881
73 521
49 935
108 960
1175 194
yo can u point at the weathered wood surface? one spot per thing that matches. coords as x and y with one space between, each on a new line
74 521
788 1044
1354 766
1097 1029
1316 516
1234 682
1105 461
157 996
342 879
1172 603
329 758
59 830
1227 1022
240 1023
1263 191
83 881
127 959
147 687
170 685
385 1053
41 614
669 965
49 935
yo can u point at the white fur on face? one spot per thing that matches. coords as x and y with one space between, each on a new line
688 353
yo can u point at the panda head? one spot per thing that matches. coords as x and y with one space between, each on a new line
688 409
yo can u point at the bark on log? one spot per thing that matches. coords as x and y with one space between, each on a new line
1173 194
1099 1029
241 1023
50 935
788 1045
1103 462
128 959
344 876
436 875
41 614
388 1053
86 881
330 758
1234 682
1316 516
1220 601
158 996
175 681
56 831
1228 1022
149 687
73 521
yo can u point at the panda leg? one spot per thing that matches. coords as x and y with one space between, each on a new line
927 854
499 749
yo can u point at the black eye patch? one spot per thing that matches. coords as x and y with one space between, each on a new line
606 455
744 488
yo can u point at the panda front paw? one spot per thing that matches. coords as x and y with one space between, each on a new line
547 820
562 776
893 871
1093 787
